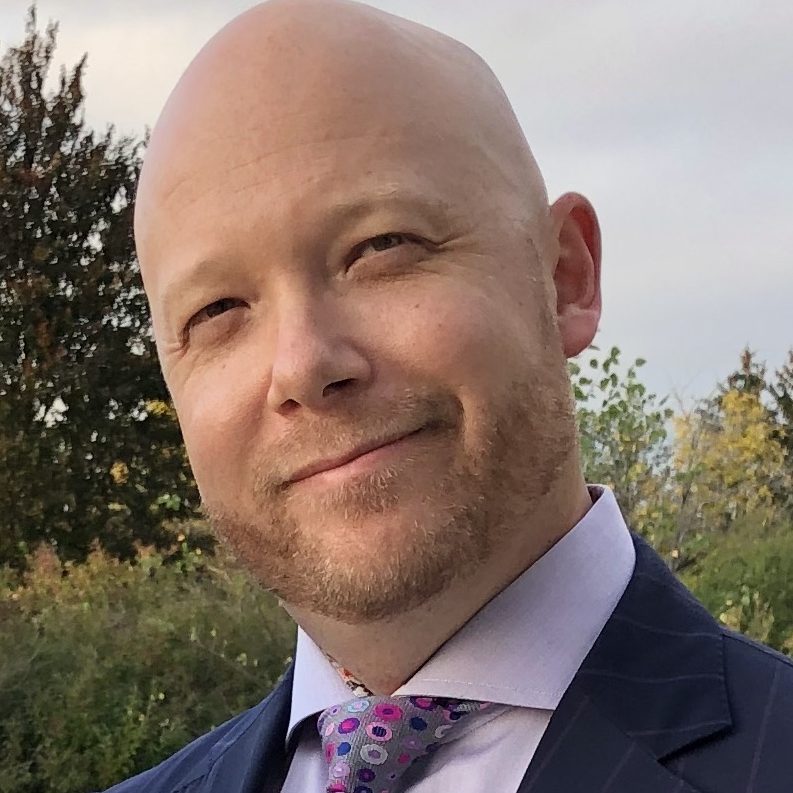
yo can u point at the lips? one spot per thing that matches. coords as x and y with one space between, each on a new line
329 463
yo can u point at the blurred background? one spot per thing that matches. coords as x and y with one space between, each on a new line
124 630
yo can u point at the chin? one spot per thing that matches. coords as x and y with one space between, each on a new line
356 559
389 529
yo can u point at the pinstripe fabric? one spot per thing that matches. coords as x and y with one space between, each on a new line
665 702
668 701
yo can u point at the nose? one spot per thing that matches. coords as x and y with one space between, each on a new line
315 359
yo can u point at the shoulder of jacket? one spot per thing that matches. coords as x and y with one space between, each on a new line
753 652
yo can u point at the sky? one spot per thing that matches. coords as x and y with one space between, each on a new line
675 119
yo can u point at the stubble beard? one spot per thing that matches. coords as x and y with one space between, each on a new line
352 555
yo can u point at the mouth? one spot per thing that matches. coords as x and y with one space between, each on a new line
361 458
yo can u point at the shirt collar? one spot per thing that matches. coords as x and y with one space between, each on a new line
543 625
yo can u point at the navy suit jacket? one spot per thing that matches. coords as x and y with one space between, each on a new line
667 701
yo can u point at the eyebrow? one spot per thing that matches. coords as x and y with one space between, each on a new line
203 271
350 210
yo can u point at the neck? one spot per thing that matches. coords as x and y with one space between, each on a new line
385 654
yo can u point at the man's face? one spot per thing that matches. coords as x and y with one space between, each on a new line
359 338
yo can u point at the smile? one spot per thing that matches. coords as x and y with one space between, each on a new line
361 459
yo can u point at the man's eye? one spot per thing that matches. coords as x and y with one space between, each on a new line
382 242
214 309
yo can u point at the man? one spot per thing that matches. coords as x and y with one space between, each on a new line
363 306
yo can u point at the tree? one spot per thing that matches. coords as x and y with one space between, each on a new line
749 378
623 432
782 394
81 457
771 403
736 461
725 460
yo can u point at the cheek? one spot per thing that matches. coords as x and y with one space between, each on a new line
218 418
487 348
464 338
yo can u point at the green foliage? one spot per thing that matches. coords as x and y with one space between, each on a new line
107 667
683 490
713 496
77 362
746 581
623 429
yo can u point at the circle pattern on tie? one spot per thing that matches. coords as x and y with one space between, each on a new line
369 751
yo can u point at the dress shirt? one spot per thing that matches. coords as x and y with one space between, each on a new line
520 651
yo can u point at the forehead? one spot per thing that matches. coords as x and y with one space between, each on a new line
298 178
227 184
287 141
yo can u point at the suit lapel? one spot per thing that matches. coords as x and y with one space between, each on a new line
584 752
652 684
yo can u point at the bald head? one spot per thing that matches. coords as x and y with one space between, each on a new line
304 73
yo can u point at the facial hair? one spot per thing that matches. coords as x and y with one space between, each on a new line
387 542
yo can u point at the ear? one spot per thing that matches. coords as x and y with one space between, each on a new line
576 274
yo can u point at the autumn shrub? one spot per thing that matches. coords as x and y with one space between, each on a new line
107 667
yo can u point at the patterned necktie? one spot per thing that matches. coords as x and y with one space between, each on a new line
369 742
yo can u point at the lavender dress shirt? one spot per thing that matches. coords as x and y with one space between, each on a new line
520 651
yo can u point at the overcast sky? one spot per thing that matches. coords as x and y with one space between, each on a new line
675 118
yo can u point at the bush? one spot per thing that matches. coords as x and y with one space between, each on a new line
108 667
746 580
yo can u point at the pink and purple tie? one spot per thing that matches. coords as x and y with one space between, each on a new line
369 742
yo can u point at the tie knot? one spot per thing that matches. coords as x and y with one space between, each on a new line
369 742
